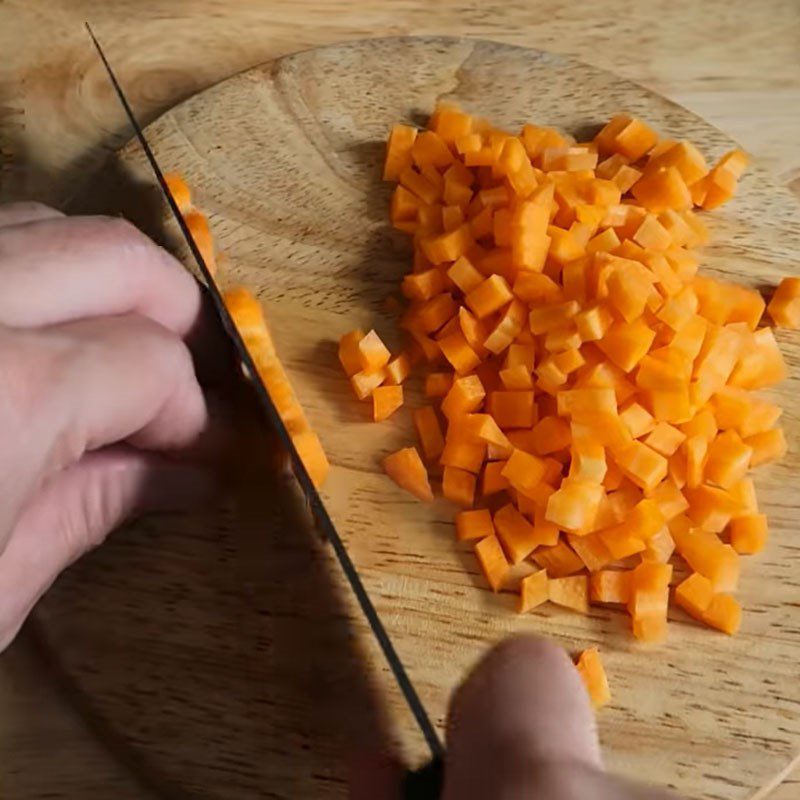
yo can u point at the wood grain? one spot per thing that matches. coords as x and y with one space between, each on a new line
183 622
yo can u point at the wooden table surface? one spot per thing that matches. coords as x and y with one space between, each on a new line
736 63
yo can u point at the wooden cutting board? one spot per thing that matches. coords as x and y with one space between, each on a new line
221 654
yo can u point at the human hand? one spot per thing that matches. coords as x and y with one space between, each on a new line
97 385
520 727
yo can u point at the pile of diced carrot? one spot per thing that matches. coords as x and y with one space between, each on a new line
592 405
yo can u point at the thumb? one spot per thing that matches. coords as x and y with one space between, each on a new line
521 727
75 510
522 709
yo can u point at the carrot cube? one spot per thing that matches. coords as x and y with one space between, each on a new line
728 460
517 535
749 533
465 395
493 479
694 595
767 446
574 506
512 409
406 469
492 561
591 670
558 560
398 151
364 383
437 384
533 591
476 524
489 296
724 614
784 307
385 401
464 275
523 471
458 352
429 432
570 592
610 586
349 353
458 485
466 455
627 343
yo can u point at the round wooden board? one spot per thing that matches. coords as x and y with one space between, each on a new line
222 653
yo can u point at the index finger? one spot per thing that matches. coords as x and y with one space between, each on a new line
67 268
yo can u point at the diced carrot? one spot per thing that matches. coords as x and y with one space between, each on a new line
493 479
464 454
784 307
474 524
766 446
694 595
458 485
180 191
723 613
642 465
429 432
627 343
570 592
602 388
489 296
559 560
650 628
515 409
533 591
638 420
437 384
492 561
464 275
518 536
406 469
574 506
662 188
749 533
610 586
591 670
523 471
197 223
465 395
398 151
385 401
349 353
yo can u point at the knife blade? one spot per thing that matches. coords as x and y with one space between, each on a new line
425 782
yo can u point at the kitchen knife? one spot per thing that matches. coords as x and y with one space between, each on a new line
426 782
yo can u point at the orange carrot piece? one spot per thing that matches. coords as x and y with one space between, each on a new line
570 592
197 223
437 384
784 307
349 353
492 561
474 524
458 485
406 469
533 591
429 432
723 613
385 401
749 533
180 191
559 560
593 675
